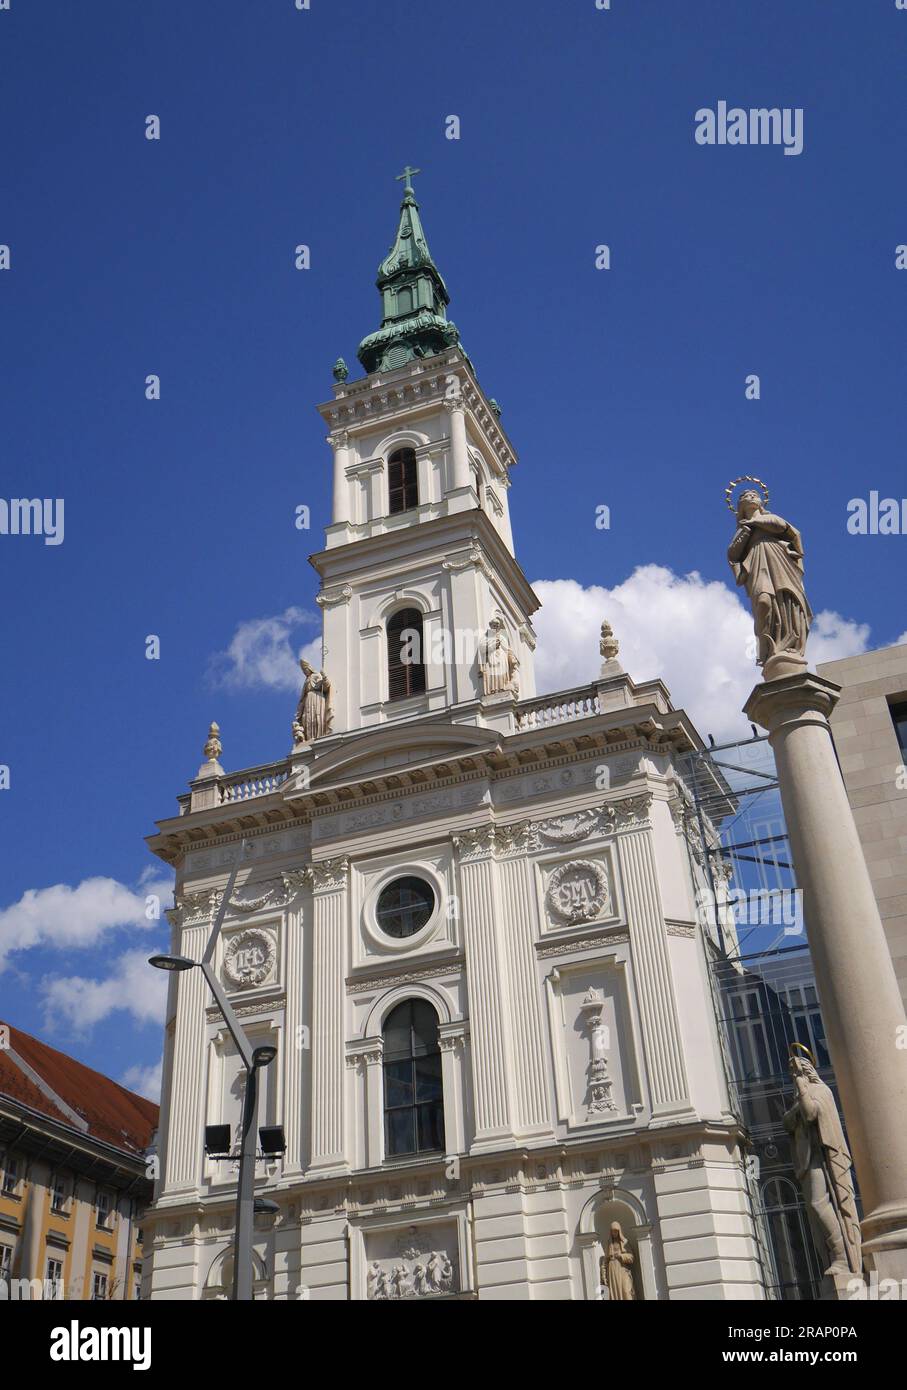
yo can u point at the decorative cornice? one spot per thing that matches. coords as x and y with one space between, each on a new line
604 941
628 813
409 977
192 909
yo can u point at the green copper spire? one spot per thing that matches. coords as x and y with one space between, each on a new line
414 297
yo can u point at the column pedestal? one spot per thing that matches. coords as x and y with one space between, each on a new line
858 990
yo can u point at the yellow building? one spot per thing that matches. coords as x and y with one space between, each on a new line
74 1176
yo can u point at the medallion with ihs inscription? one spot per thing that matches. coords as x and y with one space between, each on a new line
249 958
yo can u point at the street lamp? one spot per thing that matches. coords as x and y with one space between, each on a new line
253 1060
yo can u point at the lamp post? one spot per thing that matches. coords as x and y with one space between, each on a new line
253 1060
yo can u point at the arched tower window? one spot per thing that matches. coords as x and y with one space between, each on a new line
403 486
413 1093
405 656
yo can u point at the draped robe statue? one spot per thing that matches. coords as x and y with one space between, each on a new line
822 1164
313 713
498 662
617 1267
766 556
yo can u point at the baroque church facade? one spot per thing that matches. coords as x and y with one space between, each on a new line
464 916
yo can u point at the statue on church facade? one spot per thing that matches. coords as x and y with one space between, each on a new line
766 556
822 1165
498 662
616 1267
313 713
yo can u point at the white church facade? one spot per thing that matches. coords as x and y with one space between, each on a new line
465 917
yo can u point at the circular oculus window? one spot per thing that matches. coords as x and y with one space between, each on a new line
404 906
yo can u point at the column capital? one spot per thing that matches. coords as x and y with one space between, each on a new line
475 844
329 875
790 699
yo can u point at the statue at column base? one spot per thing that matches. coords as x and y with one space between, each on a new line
822 1165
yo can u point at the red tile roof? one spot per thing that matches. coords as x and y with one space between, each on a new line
113 1114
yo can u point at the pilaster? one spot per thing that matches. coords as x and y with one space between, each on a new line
329 883
662 1042
487 997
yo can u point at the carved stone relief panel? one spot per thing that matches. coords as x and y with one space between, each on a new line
419 1262
577 890
595 1068
250 958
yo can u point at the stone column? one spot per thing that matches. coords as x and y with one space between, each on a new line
339 442
329 880
485 977
858 990
459 454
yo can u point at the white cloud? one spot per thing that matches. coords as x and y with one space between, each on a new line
145 1081
133 987
695 634
261 655
62 917
832 637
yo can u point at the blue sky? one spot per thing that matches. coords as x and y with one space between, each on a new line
621 387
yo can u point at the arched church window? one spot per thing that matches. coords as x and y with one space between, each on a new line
413 1093
403 487
405 657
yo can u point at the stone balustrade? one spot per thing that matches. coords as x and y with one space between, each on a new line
581 703
252 782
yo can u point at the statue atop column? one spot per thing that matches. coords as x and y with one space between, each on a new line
766 556
616 1267
822 1165
498 662
313 713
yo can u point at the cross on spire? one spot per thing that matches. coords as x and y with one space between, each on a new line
408 174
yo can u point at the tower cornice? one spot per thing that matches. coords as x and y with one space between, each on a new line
384 396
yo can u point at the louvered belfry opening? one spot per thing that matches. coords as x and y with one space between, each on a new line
405 663
403 487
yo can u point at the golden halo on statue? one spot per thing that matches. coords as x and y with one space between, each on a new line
796 1047
747 478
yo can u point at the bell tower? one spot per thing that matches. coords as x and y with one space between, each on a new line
418 560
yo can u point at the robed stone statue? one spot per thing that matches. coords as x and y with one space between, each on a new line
766 556
822 1165
616 1266
498 662
313 713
